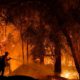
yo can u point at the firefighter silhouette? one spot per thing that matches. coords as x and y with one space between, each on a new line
3 62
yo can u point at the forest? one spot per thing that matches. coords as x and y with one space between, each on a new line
44 32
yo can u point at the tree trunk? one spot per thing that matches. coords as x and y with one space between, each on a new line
5 36
22 43
42 59
73 51
27 51
57 68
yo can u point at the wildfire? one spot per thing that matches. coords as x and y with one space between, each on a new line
48 60
13 44
70 75
68 66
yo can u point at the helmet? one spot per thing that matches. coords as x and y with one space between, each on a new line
6 53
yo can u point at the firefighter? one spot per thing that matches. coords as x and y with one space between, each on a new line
3 61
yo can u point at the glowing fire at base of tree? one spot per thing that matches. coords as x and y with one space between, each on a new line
70 75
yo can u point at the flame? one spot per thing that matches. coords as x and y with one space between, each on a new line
15 50
66 74
48 60
70 75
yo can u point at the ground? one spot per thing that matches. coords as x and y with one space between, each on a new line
37 71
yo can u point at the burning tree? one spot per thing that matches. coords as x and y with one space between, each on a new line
31 20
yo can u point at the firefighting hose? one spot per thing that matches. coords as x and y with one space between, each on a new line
15 59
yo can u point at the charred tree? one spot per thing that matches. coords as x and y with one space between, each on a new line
41 53
58 60
27 51
22 43
72 50
57 67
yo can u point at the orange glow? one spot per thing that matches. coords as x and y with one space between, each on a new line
48 60
11 42
70 75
